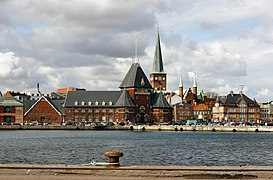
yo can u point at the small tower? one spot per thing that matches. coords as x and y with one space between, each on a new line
158 76
194 87
181 88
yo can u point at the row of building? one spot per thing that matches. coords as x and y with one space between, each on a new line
138 100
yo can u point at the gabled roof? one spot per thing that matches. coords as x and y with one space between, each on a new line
158 62
55 104
9 101
135 78
234 99
159 101
91 98
124 100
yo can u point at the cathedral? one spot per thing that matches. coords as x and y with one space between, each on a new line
139 100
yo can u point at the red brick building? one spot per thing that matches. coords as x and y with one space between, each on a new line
136 101
44 110
11 110
236 108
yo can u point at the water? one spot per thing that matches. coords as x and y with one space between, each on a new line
139 148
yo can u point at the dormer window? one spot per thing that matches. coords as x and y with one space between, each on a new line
97 103
142 82
103 103
76 103
110 103
89 103
83 103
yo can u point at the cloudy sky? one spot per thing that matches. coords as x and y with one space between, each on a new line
90 44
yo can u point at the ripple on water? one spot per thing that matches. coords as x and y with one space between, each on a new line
139 148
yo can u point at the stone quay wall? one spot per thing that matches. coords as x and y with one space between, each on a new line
148 128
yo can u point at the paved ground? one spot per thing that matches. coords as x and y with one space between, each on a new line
55 172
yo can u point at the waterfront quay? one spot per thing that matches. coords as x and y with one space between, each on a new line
203 128
66 172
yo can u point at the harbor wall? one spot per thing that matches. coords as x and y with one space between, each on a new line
148 128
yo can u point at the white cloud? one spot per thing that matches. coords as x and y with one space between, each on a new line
90 43
10 66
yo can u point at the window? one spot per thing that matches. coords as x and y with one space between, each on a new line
76 103
7 109
103 103
110 103
96 103
83 103
89 103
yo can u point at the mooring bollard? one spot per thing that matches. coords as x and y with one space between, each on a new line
113 157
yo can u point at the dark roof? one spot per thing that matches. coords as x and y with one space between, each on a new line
58 104
159 101
87 97
234 99
124 100
28 104
158 62
135 78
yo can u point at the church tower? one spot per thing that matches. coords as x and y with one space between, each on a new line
158 76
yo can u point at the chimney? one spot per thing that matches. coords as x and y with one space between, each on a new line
231 93
181 88
38 89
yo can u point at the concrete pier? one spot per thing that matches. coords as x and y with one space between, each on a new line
67 172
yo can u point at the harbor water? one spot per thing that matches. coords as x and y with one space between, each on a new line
139 148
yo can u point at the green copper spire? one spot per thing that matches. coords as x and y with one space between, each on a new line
158 62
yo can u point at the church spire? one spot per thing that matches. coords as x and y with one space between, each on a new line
158 62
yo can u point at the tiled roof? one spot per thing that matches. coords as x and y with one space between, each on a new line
136 78
91 98
9 101
124 100
233 99
159 101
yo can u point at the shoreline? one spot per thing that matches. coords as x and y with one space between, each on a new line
146 128
62 172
